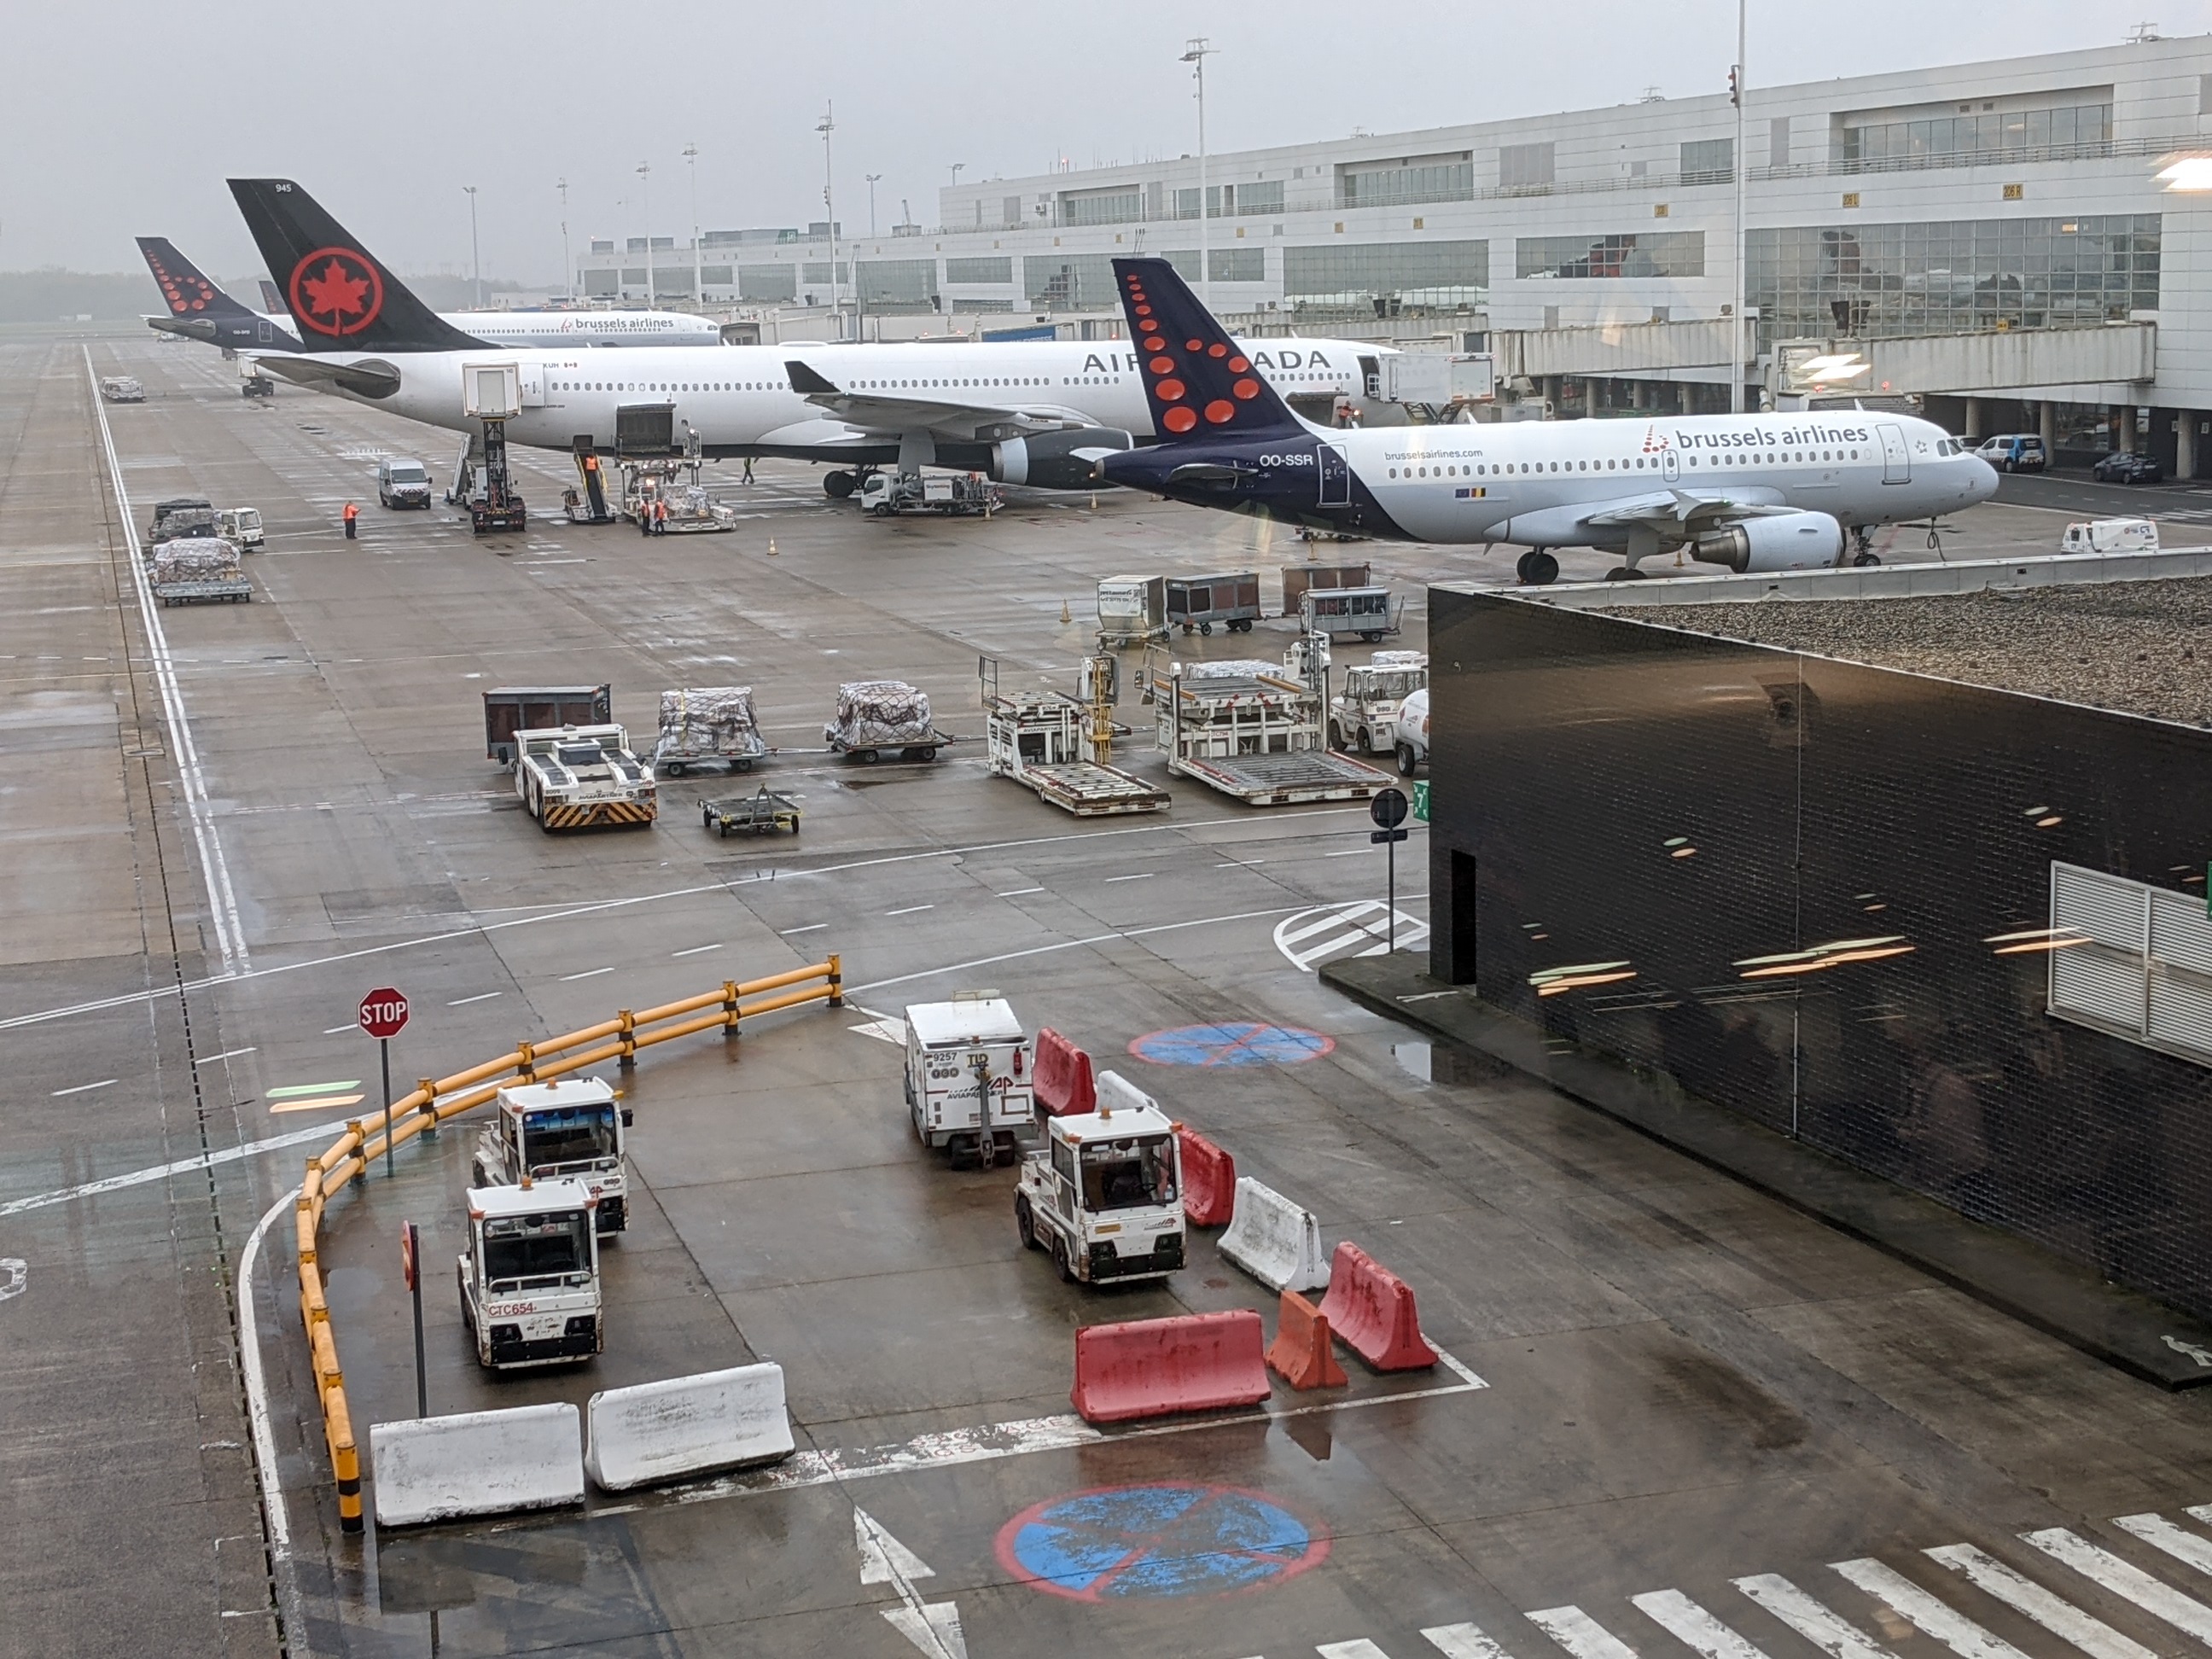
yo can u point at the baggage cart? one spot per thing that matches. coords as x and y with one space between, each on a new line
702 724
1132 611
874 716
512 709
759 814
1201 602
1299 580
1367 611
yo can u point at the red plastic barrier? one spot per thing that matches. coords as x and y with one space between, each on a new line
1300 1354
1062 1083
1153 1367
1372 1309
1209 1180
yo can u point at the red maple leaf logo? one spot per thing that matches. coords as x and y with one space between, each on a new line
335 292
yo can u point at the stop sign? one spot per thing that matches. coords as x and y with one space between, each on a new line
384 1012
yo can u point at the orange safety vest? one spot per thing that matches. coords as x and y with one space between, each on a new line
351 511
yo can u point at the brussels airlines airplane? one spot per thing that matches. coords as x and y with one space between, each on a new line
1754 492
199 310
1035 412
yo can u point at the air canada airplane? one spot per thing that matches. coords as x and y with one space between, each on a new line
199 310
1754 492
1017 410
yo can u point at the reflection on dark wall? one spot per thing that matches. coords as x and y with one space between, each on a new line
1780 879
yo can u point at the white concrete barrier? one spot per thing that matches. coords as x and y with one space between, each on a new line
1273 1240
685 1425
432 1468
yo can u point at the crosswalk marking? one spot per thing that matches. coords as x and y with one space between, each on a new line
1692 1625
1580 1634
1362 927
2162 1533
2024 1595
1830 1632
1360 1648
2124 1579
1954 1629
1463 1642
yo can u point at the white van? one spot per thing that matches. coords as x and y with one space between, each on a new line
2111 536
1410 739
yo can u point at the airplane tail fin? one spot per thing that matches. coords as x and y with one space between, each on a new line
343 298
1197 380
187 293
271 301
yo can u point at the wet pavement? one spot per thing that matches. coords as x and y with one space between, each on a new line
1659 1381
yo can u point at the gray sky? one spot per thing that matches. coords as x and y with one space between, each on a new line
124 116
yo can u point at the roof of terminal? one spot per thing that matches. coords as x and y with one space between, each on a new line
2126 646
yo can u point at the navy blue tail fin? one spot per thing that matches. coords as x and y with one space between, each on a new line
343 298
1197 380
187 293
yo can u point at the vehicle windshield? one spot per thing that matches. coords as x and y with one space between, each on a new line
410 474
579 754
520 1250
568 1134
249 518
1128 1175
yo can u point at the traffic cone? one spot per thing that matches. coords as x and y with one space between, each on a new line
1301 1353
1066 615
1094 501
771 547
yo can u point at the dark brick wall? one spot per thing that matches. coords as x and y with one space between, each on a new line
1619 792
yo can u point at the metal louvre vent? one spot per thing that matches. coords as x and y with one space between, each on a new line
2131 959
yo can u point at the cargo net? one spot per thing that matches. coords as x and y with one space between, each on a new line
201 559
880 714
1232 668
708 721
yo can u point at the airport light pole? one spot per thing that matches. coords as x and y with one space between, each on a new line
645 188
475 265
872 204
698 279
1736 97
1195 57
825 126
567 264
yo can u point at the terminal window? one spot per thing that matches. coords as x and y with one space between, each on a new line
1113 207
898 284
1070 282
978 270
1663 253
1709 162
1429 178
768 283
1952 278
1433 275
2072 131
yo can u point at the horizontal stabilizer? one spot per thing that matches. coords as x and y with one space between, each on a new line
1191 472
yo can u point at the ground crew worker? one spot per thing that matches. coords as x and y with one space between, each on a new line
645 518
660 518
351 513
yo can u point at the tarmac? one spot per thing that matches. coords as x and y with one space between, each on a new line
227 824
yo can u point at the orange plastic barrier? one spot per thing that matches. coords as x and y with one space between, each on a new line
1062 1084
1209 1180
1372 1309
1154 1367
1300 1354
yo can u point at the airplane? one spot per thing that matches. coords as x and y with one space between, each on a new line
1017 410
1753 492
199 310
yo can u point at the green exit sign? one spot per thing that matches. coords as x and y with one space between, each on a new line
1421 811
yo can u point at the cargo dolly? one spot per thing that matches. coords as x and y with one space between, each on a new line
761 814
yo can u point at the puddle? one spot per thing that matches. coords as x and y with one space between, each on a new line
1449 1063
1415 1058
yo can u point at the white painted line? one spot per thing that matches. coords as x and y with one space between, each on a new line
700 950
481 996
1018 892
83 1088
910 910
588 972
2162 1533
1247 864
1580 1634
2124 1579
350 1025
1147 876
1694 1627
18 1273
228 1054
1829 1632
256 1390
811 927
1463 1642
934 1627
1348 853
1358 1647
2024 1595
222 904
1954 1629
162 1171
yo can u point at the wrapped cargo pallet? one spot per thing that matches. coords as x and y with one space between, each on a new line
879 714
703 723
200 559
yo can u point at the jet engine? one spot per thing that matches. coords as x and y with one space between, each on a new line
1783 541
1047 459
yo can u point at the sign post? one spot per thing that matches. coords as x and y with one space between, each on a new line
1388 809
411 1265
383 1015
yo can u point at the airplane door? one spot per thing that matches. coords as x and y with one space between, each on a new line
1896 459
1671 464
263 334
1335 476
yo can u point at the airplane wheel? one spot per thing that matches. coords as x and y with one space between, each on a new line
1865 559
1543 568
837 485
1520 570
1621 573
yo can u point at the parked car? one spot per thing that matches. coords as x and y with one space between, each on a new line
2117 468
2014 452
402 481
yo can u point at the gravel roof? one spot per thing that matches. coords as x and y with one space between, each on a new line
2128 646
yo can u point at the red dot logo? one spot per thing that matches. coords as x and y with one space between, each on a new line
1237 365
1220 410
1144 310
1170 392
1194 345
1178 420
1246 389
1217 351
1163 365
1153 343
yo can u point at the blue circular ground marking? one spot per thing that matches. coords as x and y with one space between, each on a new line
1241 1043
1152 1542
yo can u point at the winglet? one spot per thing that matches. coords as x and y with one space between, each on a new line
807 382
1197 380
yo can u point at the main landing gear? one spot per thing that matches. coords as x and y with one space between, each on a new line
839 485
1535 568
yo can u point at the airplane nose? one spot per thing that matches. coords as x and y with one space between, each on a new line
1985 480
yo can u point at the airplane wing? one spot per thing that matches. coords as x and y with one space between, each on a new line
962 421
1684 512
366 379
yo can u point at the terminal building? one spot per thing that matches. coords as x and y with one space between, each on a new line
2015 243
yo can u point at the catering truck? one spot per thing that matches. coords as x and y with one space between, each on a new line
530 1279
571 1128
968 1065
1103 1195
